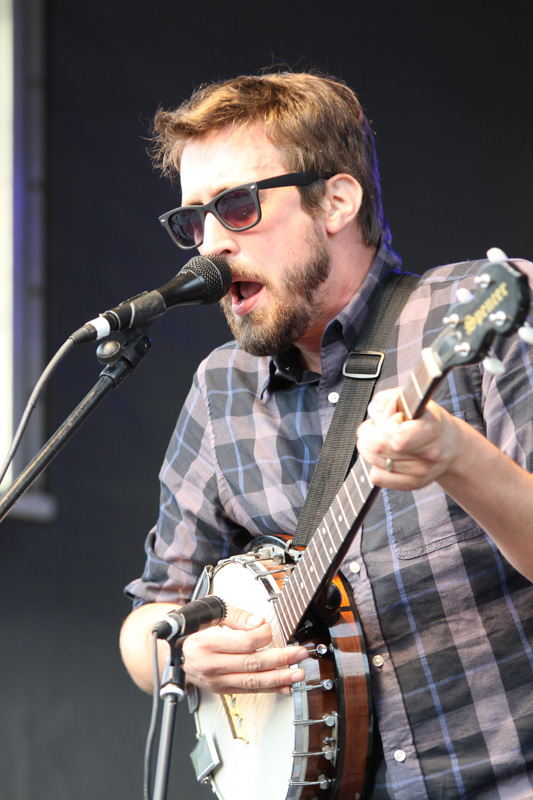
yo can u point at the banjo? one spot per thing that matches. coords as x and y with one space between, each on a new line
316 743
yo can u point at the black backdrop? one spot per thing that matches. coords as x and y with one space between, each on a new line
447 86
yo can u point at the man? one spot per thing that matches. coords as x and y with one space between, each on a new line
441 572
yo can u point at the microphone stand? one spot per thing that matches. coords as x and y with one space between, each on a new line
172 691
121 360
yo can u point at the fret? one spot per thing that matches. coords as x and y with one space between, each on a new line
331 548
281 614
289 616
342 516
346 506
299 587
295 614
349 494
292 592
364 477
291 596
318 539
356 483
303 583
337 526
330 529
309 566
409 396
420 384
314 573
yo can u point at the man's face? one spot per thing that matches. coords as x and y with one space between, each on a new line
280 266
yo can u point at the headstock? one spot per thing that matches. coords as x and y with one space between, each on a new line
498 307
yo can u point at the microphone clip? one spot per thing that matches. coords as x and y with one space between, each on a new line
190 618
133 348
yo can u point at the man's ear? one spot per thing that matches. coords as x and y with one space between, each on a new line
341 202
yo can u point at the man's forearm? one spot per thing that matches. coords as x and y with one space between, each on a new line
497 493
136 643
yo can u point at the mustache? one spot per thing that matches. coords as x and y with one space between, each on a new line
249 274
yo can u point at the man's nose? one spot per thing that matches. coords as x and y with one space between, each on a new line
218 240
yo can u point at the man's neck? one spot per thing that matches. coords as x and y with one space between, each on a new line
343 287
310 358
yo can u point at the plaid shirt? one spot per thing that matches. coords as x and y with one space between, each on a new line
448 623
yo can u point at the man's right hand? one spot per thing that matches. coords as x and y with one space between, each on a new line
234 657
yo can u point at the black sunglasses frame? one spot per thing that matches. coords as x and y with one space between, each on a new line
290 179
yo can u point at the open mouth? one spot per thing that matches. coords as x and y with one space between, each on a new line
242 290
245 294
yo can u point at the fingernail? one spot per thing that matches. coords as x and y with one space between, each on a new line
302 654
254 621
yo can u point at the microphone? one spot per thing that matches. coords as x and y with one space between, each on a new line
191 618
202 280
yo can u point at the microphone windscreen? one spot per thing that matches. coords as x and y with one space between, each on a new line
216 273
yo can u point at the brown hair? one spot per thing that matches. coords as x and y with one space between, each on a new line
315 121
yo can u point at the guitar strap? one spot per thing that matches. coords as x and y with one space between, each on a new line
361 370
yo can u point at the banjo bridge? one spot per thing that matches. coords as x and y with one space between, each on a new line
235 717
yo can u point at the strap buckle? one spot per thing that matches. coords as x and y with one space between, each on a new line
364 375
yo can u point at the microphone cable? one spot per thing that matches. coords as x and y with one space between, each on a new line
153 721
32 402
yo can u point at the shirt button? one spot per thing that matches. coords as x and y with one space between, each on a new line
333 397
378 661
400 755
355 567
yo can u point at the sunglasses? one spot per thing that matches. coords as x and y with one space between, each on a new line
236 209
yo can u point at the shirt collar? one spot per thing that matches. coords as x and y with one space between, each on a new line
350 320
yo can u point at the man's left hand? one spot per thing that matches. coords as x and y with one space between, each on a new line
407 454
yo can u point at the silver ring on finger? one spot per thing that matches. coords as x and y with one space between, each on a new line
388 464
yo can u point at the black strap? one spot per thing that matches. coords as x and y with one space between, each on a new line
361 369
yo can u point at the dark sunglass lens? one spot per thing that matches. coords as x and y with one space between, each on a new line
187 227
237 208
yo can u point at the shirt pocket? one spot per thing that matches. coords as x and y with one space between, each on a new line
426 538
435 520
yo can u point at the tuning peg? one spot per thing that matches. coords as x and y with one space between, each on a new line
526 333
493 365
498 318
464 295
463 349
452 319
484 280
495 254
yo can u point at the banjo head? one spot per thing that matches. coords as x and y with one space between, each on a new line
312 743
253 735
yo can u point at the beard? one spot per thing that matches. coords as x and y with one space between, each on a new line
294 310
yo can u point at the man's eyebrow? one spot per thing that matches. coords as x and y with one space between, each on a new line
225 188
